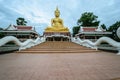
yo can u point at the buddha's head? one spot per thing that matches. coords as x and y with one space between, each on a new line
57 12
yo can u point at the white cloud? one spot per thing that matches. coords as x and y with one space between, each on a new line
40 12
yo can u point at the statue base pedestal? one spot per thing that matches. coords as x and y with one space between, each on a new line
57 36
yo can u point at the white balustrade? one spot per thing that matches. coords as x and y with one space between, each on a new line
22 45
94 45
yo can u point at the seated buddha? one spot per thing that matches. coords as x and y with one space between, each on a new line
57 24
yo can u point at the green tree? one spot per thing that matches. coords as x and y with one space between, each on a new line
75 30
104 26
88 19
21 21
1 28
114 27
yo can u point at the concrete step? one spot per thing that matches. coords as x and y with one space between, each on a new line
82 51
55 52
58 47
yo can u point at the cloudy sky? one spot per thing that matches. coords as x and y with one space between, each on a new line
38 13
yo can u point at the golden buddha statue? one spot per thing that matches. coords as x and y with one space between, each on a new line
57 24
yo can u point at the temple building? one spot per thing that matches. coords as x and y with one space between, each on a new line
57 31
93 33
21 32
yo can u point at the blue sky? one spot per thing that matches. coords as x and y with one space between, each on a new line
38 13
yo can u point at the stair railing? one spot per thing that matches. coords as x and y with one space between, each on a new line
22 45
94 45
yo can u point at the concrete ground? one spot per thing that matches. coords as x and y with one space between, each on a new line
73 66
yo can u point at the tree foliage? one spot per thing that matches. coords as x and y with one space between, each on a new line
21 21
88 19
1 28
104 26
114 27
75 30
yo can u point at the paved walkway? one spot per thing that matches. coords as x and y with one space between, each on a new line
73 66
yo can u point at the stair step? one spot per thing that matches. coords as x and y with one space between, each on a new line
57 51
58 47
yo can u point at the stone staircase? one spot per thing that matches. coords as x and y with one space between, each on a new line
58 47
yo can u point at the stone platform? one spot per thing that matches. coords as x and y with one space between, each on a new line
57 36
56 33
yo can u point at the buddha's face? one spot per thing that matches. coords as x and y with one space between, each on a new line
57 13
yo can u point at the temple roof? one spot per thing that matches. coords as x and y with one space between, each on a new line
23 27
19 27
89 29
